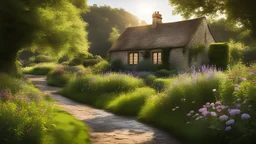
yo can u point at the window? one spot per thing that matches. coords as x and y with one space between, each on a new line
157 57
133 58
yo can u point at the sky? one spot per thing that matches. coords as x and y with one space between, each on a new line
143 9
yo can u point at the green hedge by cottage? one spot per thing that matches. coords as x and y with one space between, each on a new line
219 55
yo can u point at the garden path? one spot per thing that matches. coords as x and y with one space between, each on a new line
105 127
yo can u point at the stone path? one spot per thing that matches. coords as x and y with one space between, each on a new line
105 127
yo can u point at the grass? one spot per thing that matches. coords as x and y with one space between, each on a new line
132 102
161 84
168 110
39 69
66 129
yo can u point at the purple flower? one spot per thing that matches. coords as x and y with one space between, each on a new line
230 122
202 110
205 113
228 128
213 114
243 79
238 105
233 112
223 117
245 116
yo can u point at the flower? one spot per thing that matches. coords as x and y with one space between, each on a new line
245 116
238 105
243 79
193 102
192 112
202 110
214 90
230 122
212 104
188 123
177 107
173 109
213 114
228 128
189 114
205 113
223 117
233 112
218 103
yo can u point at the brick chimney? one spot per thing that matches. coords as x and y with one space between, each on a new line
156 18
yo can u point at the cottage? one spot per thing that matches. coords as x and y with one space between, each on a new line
174 39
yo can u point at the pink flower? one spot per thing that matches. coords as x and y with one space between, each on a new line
202 110
218 103
212 104
243 79
205 113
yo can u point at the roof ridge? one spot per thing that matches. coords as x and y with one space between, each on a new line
203 17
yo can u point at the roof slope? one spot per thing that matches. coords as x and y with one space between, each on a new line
165 35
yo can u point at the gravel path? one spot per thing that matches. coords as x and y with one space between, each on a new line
105 127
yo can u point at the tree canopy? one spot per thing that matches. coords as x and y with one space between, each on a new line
42 25
101 21
237 11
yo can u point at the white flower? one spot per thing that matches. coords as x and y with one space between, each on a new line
214 90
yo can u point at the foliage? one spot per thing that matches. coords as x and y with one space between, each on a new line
132 102
148 79
40 69
79 59
99 90
53 26
146 65
244 14
44 59
146 54
161 84
101 67
185 93
102 20
117 65
249 55
165 73
114 35
165 58
194 52
236 51
219 55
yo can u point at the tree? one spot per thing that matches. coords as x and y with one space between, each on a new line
43 25
101 20
237 11
114 35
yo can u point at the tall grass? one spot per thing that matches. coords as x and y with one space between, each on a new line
132 102
168 110
40 69
98 90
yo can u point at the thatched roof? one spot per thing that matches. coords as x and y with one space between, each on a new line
165 35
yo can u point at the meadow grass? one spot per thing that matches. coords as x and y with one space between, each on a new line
66 129
28 116
161 84
132 102
187 92
40 69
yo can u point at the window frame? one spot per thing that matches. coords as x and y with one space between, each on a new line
157 59
133 58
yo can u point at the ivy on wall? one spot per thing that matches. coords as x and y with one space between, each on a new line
193 53
165 58
146 54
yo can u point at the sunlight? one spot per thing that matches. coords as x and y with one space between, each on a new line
144 8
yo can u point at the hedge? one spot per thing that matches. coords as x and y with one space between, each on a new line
219 55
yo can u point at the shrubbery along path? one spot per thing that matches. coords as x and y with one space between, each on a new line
106 128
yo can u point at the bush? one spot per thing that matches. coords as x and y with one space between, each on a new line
249 55
40 69
101 67
161 84
185 93
148 79
99 90
44 59
165 73
117 65
146 65
219 55
236 52
132 102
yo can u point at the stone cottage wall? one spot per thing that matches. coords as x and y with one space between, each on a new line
123 56
202 37
178 60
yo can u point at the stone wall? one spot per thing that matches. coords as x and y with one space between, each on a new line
178 59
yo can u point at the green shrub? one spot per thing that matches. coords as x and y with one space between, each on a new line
44 59
161 84
219 55
249 55
101 67
165 73
148 79
146 65
117 65
237 50
99 90
168 110
40 69
132 102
